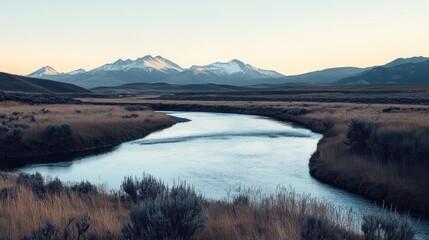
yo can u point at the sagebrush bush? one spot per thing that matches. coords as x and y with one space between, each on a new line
141 189
84 188
396 146
358 134
173 214
318 228
61 134
55 186
15 136
34 181
386 226
47 231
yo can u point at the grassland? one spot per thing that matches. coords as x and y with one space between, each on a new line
33 132
399 182
32 206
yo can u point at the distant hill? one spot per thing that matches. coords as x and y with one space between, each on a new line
402 73
15 83
138 88
400 61
329 75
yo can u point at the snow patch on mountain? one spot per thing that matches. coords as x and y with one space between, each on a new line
47 70
147 63
77 71
234 67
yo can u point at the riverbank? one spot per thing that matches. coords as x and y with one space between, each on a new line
398 184
38 133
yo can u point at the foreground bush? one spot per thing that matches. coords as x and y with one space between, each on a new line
141 189
173 214
386 227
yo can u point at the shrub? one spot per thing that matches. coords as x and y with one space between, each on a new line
82 226
175 214
45 232
386 227
316 228
55 186
84 188
130 116
137 108
59 133
15 136
34 181
8 192
241 200
358 134
399 145
141 189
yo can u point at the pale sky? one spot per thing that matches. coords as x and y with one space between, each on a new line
287 36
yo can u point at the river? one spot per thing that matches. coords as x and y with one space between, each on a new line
217 153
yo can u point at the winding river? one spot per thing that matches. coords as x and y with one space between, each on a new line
217 153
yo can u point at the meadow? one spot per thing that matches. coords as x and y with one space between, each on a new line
33 207
36 131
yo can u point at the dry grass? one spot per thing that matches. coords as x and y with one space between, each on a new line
91 127
21 214
274 217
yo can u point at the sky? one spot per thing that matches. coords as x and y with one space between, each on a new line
288 36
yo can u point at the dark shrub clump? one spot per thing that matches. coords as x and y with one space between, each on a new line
59 133
174 214
386 227
316 228
141 189
84 188
358 134
34 181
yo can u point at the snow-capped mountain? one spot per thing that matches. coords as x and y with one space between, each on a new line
44 71
234 67
146 63
234 72
77 71
150 69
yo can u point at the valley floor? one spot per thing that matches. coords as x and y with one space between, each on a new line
391 168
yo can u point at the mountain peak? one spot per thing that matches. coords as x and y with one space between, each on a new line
77 71
146 63
46 70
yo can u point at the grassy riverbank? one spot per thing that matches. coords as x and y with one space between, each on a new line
393 172
34 132
36 208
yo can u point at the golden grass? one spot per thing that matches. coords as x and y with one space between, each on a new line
92 126
277 216
21 214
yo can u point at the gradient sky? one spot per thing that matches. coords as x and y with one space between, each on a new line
287 36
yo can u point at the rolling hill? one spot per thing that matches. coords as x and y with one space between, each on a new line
15 83
411 72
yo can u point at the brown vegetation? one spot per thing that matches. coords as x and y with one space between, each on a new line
399 179
29 204
40 130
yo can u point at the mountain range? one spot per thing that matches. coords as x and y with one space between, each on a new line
157 69
150 69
